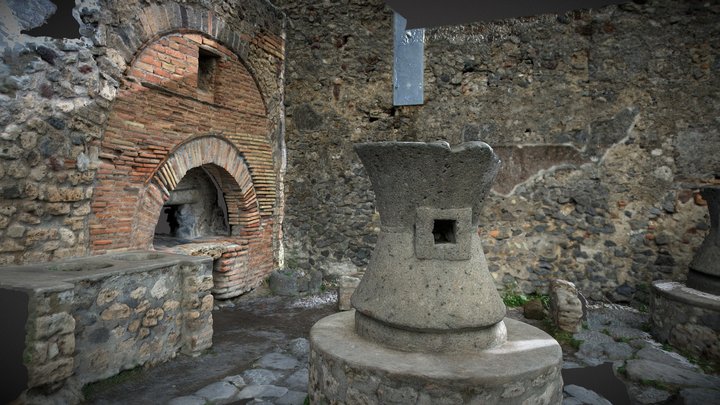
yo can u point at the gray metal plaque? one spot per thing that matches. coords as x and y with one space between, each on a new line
409 63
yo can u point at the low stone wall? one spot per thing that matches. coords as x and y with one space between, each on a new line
123 310
686 318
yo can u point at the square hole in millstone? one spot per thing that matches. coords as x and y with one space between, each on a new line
444 231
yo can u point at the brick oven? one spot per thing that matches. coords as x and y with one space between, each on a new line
186 161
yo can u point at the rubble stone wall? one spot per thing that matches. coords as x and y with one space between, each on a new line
95 321
600 116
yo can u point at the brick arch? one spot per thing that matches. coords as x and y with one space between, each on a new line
159 111
227 165
158 20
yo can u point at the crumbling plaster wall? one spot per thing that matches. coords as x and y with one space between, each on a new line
56 95
599 116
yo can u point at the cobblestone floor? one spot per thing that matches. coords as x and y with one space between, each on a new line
260 357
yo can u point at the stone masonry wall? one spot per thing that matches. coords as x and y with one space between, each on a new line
600 117
57 95
118 321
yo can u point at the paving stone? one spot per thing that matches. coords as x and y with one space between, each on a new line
700 396
610 316
299 348
277 361
591 336
292 398
298 380
221 392
585 396
259 376
626 332
566 309
262 391
235 380
617 350
597 347
661 356
640 370
643 394
187 400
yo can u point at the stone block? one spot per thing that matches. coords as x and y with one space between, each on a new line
137 293
284 282
207 303
221 392
346 288
66 344
49 325
57 208
116 311
106 296
64 194
277 361
153 316
646 370
51 372
566 307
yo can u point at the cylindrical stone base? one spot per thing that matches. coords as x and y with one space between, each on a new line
703 282
686 318
432 341
348 369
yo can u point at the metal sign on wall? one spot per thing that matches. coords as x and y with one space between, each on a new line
409 64
409 44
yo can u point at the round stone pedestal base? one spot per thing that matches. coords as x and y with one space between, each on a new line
348 369
412 341
686 318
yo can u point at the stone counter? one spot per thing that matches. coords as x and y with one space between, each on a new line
91 318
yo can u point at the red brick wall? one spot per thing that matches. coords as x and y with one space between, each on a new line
162 125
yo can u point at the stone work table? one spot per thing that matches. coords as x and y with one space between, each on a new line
93 317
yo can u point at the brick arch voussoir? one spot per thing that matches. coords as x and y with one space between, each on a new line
158 20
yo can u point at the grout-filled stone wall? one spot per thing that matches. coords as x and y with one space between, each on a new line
602 118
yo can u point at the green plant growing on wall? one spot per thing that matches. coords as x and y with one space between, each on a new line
513 298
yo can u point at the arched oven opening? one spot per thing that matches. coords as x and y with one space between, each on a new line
196 210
